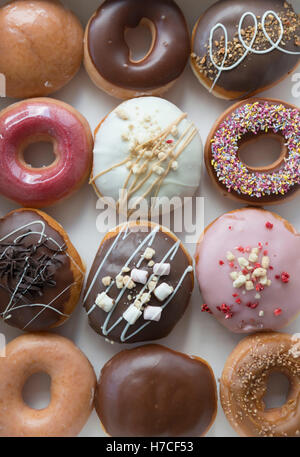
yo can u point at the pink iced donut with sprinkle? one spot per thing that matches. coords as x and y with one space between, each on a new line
248 268
48 120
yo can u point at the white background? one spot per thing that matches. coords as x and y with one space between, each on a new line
197 333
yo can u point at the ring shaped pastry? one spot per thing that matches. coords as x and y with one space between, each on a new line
244 381
107 56
41 271
73 384
140 283
247 121
253 256
154 391
241 48
47 120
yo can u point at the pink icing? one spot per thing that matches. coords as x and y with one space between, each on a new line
41 186
279 302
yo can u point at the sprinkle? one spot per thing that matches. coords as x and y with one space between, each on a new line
205 309
221 262
285 277
277 311
169 141
269 225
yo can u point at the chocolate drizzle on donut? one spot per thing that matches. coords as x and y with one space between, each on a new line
35 273
110 54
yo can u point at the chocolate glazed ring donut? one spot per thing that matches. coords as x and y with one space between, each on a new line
247 121
244 383
107 57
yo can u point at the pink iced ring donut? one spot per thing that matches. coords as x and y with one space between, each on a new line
73 383
32 121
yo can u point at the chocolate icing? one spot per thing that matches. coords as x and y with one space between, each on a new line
40 259
110 54
112 267
256 71
154 391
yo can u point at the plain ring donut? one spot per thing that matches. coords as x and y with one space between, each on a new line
244 383
107 57
73 383
247 121
48 120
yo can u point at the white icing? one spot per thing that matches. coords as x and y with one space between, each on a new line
143 116
248 48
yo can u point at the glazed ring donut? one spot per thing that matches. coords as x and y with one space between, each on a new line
107 57
48 120
41 273
246 121
73 384
243 385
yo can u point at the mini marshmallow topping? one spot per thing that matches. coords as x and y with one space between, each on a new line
163 291
162 269
132 314
104 302
139 276
152 313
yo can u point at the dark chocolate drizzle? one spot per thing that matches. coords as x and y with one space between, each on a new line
34 270
110 54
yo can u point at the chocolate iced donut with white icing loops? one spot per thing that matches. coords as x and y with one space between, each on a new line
243 385
253 257
41 273
240 48
107 57
146 153
140 283
154 391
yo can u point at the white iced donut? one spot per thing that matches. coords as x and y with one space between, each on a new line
146 150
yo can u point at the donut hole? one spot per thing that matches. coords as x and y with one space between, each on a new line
139 40
39 154
36 391
262 152
278 387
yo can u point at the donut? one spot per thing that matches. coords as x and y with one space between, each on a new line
248 121
154 391
140 283
32 121
243 385
41 47
108 60
41 273
241 48
146 154
253 257
73 383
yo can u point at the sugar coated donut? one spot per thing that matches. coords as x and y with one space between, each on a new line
247 121
73 384
41 273
248 267
48 120
140 283
146 153
41 47
107 57
240 48
154 391
243 385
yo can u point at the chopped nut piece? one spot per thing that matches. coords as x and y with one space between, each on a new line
259 272
128 283
240 281
149 253
249 285
243 262
265 262
106 280
230 256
